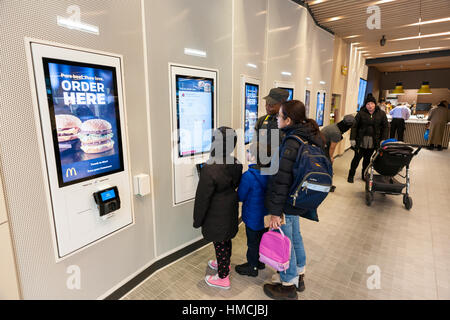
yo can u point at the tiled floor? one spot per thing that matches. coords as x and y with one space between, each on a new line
410 248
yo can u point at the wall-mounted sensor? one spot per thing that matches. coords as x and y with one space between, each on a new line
141 184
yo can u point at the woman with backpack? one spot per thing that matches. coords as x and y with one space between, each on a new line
292 121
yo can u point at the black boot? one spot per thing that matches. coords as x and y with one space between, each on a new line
247 270
350 179
279 292
439 147
301 283
430 147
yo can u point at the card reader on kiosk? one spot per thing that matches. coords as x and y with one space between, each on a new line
107 200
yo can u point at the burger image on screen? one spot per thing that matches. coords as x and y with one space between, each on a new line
95 136
67 127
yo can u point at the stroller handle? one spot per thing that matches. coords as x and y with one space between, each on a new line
417 151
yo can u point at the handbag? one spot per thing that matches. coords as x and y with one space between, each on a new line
275 250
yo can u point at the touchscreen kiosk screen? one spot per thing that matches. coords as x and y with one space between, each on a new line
85 120
251 110
291 93
195 116
320 108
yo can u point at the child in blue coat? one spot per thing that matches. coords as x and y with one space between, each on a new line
251 193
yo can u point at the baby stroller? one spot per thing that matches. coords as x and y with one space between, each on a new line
389 161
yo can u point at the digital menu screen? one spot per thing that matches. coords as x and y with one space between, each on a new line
251 110
291 93
195 114
320 108
85 120
361 92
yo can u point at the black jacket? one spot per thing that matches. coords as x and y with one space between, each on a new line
280 184
216 207
375 125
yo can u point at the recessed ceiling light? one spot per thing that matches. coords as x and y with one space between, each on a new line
353 36
381 2
403 51
333 19
316 2
251 65
423 36
429 21
285 73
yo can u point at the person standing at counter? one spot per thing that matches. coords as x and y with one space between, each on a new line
369 129
399 114
438 118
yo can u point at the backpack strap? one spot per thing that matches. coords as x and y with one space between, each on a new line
295 137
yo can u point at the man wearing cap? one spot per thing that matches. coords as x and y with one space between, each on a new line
269 121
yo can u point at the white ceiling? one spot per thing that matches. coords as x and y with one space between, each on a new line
396 19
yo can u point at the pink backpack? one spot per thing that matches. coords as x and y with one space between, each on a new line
275 250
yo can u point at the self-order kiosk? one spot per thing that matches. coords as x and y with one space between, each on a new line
81 119
193 108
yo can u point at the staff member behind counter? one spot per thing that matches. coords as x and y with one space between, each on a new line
399 114
269 121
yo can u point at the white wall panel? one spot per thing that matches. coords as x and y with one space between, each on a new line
249 44
108 263
172 26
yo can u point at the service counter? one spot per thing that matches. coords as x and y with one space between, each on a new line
415 130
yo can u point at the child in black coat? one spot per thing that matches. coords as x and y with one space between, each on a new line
216 207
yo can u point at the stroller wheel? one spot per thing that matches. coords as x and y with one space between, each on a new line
407 201
369 198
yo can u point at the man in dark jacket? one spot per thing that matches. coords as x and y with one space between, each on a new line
369 129
216 206
266 123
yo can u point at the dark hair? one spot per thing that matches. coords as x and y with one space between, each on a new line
226 136
295 110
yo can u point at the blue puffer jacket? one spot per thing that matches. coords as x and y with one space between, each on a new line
251 192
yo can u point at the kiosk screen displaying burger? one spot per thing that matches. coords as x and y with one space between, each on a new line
85 120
